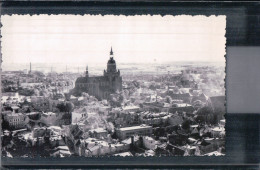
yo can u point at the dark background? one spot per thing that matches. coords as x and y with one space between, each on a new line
242 81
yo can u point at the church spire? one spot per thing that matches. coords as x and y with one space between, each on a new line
30 68
111 64
87 71
111 52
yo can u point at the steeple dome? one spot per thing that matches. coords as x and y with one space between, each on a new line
111 60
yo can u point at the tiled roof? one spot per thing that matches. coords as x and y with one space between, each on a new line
91 79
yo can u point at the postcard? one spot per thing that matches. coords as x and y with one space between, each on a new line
113 85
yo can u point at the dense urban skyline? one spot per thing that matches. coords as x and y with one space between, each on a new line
136 99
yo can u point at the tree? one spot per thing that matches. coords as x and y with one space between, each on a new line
28 110
115 103
61 107
38 74
205 114
5 125
67 96
152 87
110 127
69 107
186 124
156 110
66 107
121 98
126 93
26 102
44 93
200 119
26 92
205 111
8 108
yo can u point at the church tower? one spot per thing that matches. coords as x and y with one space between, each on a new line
113 75
101 86
111 64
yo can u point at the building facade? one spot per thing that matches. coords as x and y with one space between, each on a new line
101 86
16 120
126 132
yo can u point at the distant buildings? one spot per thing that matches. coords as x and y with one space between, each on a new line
49 118
185 97
101 86
152 115
128 109
181 107
61 151
155 119
156 106
16 120
126 132
148 142
99 133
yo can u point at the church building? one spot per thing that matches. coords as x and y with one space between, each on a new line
101 86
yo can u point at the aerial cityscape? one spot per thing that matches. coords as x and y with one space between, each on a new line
141 110
95 86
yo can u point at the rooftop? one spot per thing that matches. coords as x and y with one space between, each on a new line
181 105
129 140
135 127
48 113
218 129
14 114
54 127
215 153
99 130
194 126
15 107
123 154
63 148
130 107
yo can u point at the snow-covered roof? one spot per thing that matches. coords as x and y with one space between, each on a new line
54 127
123 154
99 130
217 129
135 127
48 113
215 153
130 107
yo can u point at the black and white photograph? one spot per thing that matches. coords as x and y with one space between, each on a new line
113 85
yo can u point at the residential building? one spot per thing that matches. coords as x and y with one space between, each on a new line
16 120
142 130
148 142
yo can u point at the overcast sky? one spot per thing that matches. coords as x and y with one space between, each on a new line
88 39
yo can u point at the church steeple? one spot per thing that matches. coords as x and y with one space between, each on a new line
111 52
87 71
30 68
111 64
